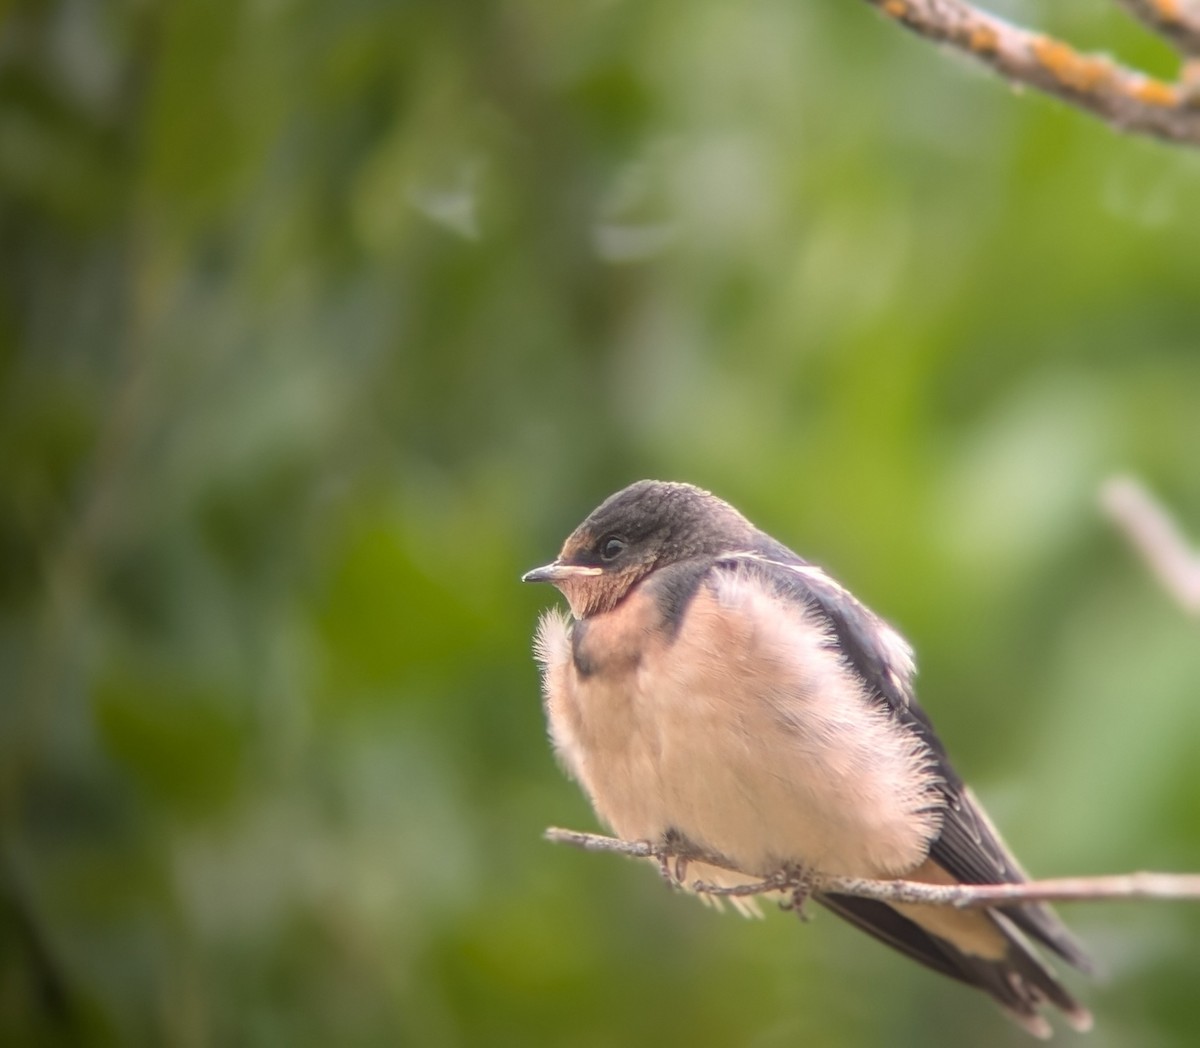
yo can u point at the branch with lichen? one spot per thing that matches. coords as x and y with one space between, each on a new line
801 883
1151 531
1125 98
1178 21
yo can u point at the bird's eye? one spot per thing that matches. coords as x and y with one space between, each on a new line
611 548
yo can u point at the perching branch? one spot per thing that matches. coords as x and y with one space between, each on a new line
960 896
1153 533
1176 20
1125 98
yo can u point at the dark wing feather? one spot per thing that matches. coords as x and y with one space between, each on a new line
1019 982
890 927
968 847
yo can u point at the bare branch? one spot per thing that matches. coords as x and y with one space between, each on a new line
1153 533
1124 98
1176 20
960 896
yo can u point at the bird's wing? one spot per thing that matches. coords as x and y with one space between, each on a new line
968 847
1018 980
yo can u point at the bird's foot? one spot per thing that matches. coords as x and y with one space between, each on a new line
800 882
664 865
673 858
681 868
673 869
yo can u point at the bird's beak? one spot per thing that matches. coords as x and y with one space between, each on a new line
557 572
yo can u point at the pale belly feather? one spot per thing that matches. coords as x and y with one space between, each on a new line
744 733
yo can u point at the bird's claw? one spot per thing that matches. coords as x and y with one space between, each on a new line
672 859
681 868
800 889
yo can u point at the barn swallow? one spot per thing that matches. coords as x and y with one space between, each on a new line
712 691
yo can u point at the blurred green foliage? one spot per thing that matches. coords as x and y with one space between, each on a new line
320 322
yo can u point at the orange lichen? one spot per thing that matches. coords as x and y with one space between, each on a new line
1168 10
1155 92
984 40
896 8
1077 72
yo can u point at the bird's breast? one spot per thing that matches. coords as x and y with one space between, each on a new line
740 729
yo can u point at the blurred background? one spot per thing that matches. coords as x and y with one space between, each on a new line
321 322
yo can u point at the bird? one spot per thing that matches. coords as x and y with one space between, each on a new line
714 693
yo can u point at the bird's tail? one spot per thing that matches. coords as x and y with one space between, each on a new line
1015 977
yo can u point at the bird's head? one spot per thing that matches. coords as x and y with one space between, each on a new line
645 526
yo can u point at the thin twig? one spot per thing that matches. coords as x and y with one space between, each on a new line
960 896
1176 20
1124 98
1157 537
